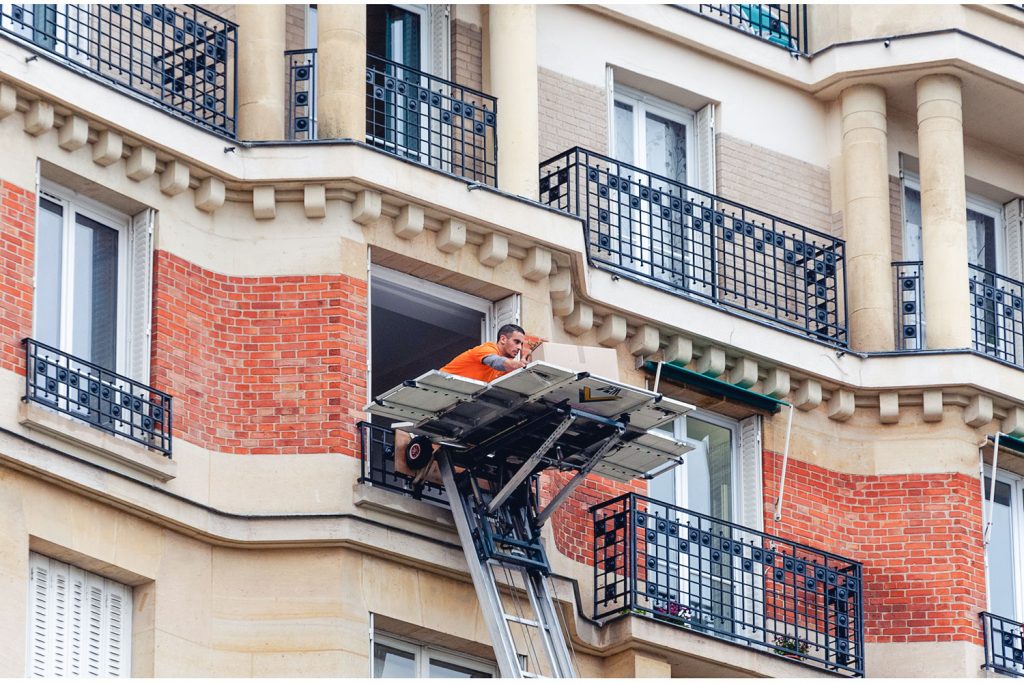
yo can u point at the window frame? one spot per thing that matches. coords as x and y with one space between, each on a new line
643 103
1016 483
424 652
73 203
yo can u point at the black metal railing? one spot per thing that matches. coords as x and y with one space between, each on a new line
181 57
301 65
664 562
997 315
377 446
431 121
667 234
909 291
1004 644
104 399
782 25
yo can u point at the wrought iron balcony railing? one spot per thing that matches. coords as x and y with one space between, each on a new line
670 235
997 315
431 121
1004 644
301 66
180 57
663 562
104 399
909 293
782 25
377 446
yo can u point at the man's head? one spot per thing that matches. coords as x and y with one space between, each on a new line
510 340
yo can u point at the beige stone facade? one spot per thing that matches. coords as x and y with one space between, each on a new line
261 546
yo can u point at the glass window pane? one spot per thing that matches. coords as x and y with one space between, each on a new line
624 145
981 240
442 669
390 662
912 224
1001 590
709 477
666 147
49 262
94 293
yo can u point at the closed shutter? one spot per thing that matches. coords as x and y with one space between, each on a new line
1013 219
752 507
440 40
80 623
140 295
504 312
705 125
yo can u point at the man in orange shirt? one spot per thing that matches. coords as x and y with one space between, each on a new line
489 361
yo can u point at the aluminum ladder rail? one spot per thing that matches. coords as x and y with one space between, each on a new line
544 621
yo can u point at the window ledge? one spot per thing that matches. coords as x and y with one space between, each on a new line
100 447
394 504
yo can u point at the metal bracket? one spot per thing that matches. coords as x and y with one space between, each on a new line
562 495
527 467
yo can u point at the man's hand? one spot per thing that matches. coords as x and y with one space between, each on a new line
514 364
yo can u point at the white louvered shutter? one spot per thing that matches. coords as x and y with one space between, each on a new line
440 40
1013 219
140 297
504 312
80 622
705 125
752 507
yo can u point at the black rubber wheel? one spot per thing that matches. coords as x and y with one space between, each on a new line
419 453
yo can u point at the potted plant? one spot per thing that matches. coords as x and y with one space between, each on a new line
672 611
790 647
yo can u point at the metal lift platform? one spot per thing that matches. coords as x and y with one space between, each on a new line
489 440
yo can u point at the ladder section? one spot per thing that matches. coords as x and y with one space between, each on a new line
534 619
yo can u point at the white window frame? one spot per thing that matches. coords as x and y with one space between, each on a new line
974 203
643 103
73 203
1016 483
423 653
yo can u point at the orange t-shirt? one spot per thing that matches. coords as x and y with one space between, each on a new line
471 363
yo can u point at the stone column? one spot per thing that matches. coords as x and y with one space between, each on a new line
866 218
940 141
512 32
261 72
341 62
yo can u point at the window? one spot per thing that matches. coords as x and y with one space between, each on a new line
1004 551
63 29
79 622
93 280
395 658
653 134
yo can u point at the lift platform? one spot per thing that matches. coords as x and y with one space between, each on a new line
489 440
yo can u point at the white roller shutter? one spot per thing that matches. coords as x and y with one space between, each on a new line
752 507
440 40
140 295
705 124
1013 219
79 622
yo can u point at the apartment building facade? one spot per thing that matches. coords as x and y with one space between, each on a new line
225 228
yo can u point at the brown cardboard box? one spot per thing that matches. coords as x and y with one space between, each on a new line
596 360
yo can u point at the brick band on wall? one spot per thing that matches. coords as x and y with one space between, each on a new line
917 535
17 255
260 365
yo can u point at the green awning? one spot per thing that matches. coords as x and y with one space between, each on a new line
1010 442
716 387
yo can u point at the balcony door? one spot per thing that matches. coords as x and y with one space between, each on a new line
63 29
658 137
1004 554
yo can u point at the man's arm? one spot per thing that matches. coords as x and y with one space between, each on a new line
503 364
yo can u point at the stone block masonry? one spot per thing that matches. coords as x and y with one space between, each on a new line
17 255
260 365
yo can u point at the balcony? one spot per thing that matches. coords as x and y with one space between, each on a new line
377 446
701 574
997 316
410 114
1004 644
700 246
782 25
909 292
106 400
180 58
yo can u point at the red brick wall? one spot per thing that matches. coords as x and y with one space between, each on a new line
260 364
17 255
572 525
917 535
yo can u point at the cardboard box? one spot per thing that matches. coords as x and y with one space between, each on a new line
597 360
